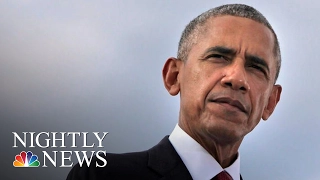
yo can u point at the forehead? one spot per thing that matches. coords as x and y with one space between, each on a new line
244 35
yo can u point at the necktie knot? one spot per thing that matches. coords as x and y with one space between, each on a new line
223 175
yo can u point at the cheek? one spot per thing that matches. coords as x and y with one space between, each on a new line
197 82
259 100
188 87
204 80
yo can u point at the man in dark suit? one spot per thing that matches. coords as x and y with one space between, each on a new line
226 69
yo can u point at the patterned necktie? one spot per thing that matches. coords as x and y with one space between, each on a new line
223 175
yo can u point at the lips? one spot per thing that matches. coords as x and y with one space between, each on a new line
231 102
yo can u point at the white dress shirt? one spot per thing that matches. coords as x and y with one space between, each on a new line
200 164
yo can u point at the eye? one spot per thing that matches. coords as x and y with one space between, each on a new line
258 68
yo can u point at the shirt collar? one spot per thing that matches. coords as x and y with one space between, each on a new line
200 164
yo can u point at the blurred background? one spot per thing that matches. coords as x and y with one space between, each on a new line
95 66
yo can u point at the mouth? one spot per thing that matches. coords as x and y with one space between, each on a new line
234 103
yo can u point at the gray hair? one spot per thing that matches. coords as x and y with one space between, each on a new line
194 28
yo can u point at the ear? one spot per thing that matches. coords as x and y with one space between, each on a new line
273 101
170 74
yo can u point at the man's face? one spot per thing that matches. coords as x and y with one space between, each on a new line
227 83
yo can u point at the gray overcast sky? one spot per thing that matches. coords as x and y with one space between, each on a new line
96 66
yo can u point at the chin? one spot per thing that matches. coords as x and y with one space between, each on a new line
224 133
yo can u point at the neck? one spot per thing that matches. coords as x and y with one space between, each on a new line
224 152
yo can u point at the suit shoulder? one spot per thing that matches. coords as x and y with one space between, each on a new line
125 160
118 166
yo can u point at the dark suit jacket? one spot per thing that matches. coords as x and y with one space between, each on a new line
158 163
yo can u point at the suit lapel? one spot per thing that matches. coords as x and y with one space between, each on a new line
164 160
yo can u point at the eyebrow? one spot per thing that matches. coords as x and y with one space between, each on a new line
230 51
220 49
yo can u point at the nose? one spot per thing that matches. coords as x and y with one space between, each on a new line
235 78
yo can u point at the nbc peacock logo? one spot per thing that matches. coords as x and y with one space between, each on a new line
26 160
